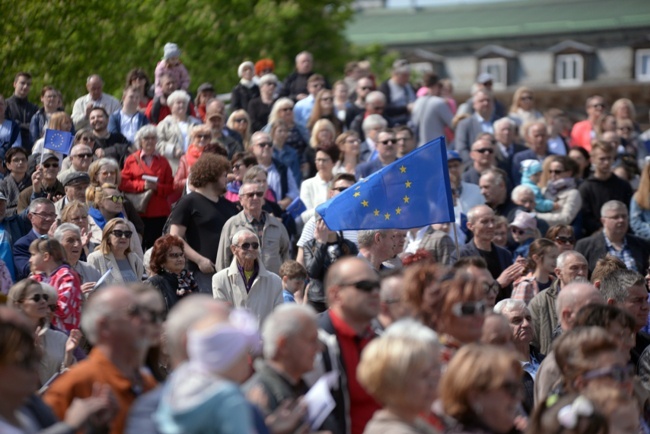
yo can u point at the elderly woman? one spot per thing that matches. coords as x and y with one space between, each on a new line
522 109
170 277
174 130
241 162
76 212
57 348
401 370
481 389
240 121
349 147
48 265
114 254
147 172
323 134
324 109
107 171
314 191
69 235
285 154
246 89
199 143
107 203
559 184
259 108
283 110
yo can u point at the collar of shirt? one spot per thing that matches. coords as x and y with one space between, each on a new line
248 282
252 220
610 245
413 241
343 329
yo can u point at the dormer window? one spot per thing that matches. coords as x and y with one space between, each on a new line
499 62
573 63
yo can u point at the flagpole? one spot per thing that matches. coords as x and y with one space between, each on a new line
456 237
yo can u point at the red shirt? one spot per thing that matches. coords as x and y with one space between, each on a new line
362 405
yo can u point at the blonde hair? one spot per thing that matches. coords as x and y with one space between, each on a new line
57 119
475 368
96 166
277 106
517 96
105 245
71 207
246 139
321 124
95 195
620 103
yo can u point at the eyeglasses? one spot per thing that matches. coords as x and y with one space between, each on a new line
240 120
45 216
122 234
49 165
565 240
618 373
329 98
491 288
253 194
247 246
601 105
17 160
468 308
340 189
116 198
37 297
388 142
364 285
484 151
517 231
238 165
555 172
83 156
265 145
270 83
203 136
176 255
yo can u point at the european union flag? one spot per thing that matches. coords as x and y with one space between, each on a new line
58 141
412 192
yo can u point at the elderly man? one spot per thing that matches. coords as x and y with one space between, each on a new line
572 298
521 326
246 282
75 185
273 236
345 329
375 105
431 113
376 246
483 155
615 240
570 266
19 109
295 85
494 188
280 178
536 136
480 220
583 132
95 98
386 154
479 122
41 214
116 325
79 160
504 133
601 187
400 95
214 118
371 125
363 87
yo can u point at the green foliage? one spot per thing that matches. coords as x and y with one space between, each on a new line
61 42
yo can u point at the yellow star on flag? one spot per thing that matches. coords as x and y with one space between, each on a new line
357 194
376 213
406 199
402 169
408 184
387 216
364 203
398 210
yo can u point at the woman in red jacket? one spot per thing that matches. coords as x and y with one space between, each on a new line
145 170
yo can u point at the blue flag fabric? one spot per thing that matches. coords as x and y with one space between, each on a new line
412 192
58 141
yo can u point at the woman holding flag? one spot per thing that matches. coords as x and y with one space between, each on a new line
60 121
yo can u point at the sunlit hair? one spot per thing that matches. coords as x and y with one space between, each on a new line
51 246
103 163
642 195
105 246
321 124
18 292
71 208
58 119
280 104
95 195
246 138
420 278
517 97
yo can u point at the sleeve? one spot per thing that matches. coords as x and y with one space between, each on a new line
79 114
564 216
220 287
185 77
640 226
114 124
293 187
307 232
233 413
542 204
182 212
590 222
235 102
25 197
157 76
305 194
68 293
462 140
21 259
132 181
285 244
34 128
315 253
165 179
447 251
165 145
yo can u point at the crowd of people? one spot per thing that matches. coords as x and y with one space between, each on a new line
171 273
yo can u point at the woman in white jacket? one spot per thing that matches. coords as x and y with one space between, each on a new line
174 131
559 184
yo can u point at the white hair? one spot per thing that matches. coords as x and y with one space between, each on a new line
286 320
497 124
97 307
375 96
178 95
373 121
412 329
519 190
235 238
509 304
612 205
66 227
562 258
147 130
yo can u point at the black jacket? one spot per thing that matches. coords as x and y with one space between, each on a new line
593 248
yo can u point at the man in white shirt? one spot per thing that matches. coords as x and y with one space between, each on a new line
95 98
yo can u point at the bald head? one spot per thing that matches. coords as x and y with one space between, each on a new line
572 298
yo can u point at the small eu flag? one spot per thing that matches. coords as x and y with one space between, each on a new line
412 192
58 141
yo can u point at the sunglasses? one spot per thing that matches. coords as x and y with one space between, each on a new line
556 172
565 240
517 231
366 88
204 136
240 120
247 246
484 151
238 165
364 285
491 288
37 297
176 255
49 165
388 142
116 199
598 105
265 145
340 189
253 194
122 234
84 156
468 308
618 373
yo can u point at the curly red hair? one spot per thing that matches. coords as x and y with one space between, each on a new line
160 249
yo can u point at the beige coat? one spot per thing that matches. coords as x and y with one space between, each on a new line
96 236
266 291
171 144
570 205
103 262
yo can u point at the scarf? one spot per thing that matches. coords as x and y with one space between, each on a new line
247 83
186 283
193 153
554 187
99 219
234 187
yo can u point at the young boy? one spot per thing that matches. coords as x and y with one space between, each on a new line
294 279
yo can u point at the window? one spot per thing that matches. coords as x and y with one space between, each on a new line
642 63
569 69
498 68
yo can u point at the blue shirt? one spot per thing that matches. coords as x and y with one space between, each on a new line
287 296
